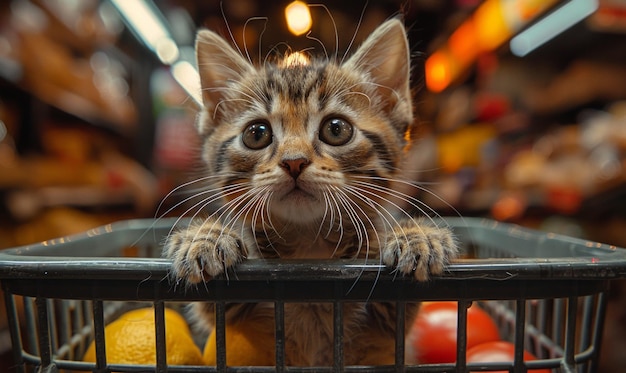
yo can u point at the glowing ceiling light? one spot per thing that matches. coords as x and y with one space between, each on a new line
145 22
187 76
167 51
298 17
550 26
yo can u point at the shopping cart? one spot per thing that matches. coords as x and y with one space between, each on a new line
546 291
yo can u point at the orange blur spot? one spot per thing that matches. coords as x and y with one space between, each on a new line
438 71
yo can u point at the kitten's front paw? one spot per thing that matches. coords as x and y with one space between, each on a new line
202 251
419 249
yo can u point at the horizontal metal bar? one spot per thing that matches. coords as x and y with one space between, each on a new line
520 253
317 291
310 270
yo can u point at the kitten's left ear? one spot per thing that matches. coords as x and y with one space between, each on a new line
218 65
385 57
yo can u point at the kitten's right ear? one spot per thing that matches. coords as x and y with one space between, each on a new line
218 64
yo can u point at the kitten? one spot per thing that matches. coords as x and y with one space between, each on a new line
303 152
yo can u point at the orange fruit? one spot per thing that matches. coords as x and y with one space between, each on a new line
131 340
247 344
172 318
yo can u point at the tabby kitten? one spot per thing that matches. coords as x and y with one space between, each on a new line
303 152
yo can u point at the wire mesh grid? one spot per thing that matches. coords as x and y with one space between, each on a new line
547 294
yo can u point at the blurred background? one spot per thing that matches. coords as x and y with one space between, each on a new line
521 108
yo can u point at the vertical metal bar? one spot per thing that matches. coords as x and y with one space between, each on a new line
530 320
530 315
159 330
568 363
52 329
87 315
78 321
14 331
557 322
52 326
400 327
542 326
586 323
338 336
598 330
461 335
220 336
507 324
31 326
520 329
88 311
98 333
279 321
65 326
44 332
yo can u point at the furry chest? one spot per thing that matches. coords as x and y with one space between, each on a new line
308 333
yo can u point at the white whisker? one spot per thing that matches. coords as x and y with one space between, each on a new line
227 207
274 49
234 207
414 202
357 222
332 19
250 205
332 213
374 228
335 204
395 194
258 210
178 188
308 36
230 33
348 91
217 193
245 46
409 198
364 190
351 215
157 217
379 209
199 206
265 212
356 31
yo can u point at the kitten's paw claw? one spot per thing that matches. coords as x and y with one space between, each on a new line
419 250
199 257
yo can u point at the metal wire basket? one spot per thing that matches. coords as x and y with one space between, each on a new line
547 293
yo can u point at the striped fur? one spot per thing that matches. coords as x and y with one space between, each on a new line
318 187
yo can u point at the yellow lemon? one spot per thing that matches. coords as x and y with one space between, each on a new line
247 344
131 340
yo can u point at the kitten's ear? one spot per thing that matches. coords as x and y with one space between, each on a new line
218 63
385 57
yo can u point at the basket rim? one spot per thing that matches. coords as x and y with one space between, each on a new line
55 258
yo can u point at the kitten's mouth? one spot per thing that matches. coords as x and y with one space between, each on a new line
298 205
298 194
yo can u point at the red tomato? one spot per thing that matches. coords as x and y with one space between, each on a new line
434 331
498 351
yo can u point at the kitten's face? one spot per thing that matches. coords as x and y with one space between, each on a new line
294 138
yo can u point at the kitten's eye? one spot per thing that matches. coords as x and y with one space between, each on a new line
336 131
257 135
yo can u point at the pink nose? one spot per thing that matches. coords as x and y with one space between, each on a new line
294 167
